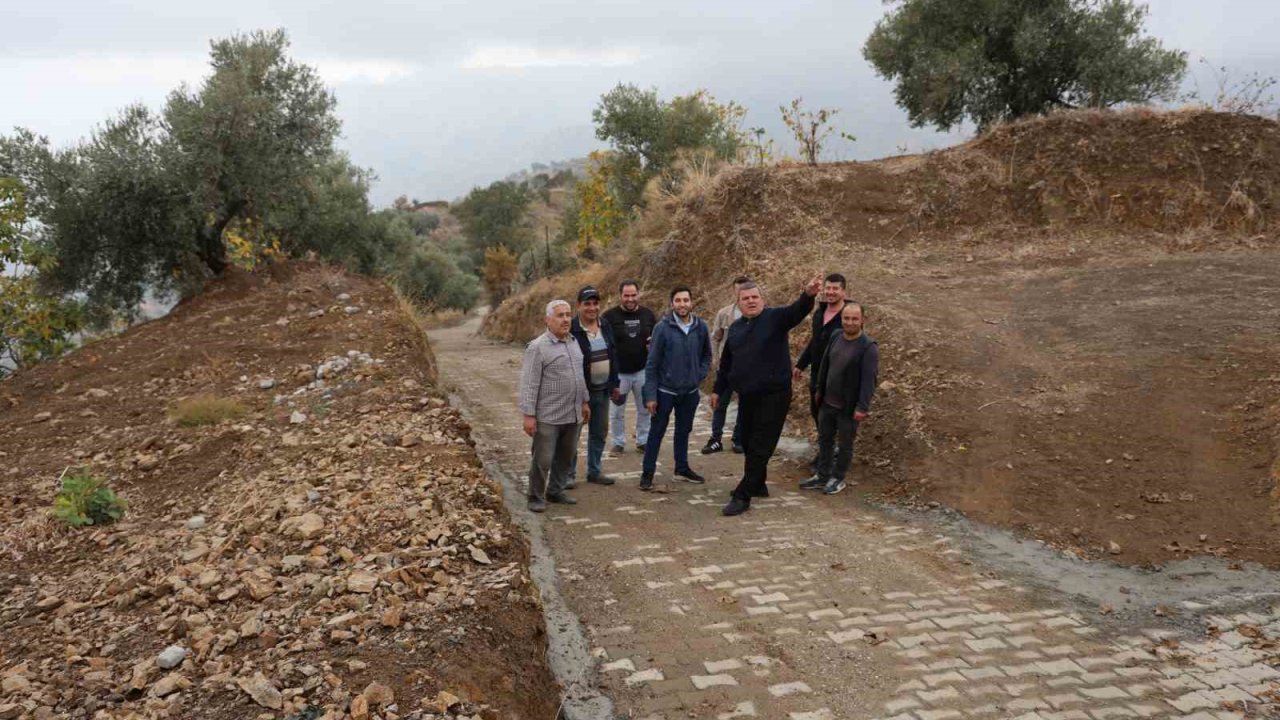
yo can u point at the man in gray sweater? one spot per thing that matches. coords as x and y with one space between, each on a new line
846 381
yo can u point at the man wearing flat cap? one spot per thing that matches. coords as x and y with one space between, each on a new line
600 370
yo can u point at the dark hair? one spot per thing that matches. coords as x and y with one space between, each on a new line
679 289
741 279
861 308
836 278
634 283
748 285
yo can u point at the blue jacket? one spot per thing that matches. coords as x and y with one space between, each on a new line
677 362
584 343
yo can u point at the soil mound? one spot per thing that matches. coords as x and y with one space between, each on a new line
1078 319
331 546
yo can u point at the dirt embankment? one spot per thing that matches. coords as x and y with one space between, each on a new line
1078 317
334 550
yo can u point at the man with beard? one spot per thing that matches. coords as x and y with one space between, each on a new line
679 359
846 381
554 402
600 370
826 323
632 324
756 364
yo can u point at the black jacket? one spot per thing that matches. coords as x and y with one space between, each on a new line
819 337
859 376
632 331
756 357
585 344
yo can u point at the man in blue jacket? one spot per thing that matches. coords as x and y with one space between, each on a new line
756 364
679 360
600 370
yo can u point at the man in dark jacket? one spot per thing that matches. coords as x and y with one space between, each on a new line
600 369
756 364
679 360
825 324
846 382
632 325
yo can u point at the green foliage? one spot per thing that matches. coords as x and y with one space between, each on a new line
205 410
494 216
34 325
431 279
85 499
993 60
647 134
600 213
810 128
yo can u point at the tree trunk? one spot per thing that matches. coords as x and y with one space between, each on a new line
213 251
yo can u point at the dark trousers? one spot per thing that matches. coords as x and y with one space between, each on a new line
684 406
763 415
597 430
813 390
720 415
554 447
836 432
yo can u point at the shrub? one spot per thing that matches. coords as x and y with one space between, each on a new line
205 410
85 499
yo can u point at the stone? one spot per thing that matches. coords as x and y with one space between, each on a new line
392 617
15 684
97 393
170 684
1113 547
148 462
41 417
266 384
9 711
171 657
443 701
351 310
480 556
378 695
195 522
361 582
262 691
359 709
297 418
305 526
343 297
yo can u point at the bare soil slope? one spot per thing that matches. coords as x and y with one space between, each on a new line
1079 319
351 559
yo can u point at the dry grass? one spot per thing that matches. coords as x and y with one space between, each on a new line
205 410
413 318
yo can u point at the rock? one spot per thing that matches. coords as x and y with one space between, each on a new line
344 297
392 617
97 393
15 684
1113 547
143 672
409 440
170 684
41 417
9 711
297 418
266 384
361 582
351 309
195 522
316 313
357 665
148 462
45 604
305 526
378 695
480 556
262 691
359 708
443 701
171 657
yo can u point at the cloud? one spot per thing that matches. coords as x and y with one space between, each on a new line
517 56
125 70
377 72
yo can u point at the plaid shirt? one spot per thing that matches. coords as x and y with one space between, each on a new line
552 387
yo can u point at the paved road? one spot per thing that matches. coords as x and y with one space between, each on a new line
812 607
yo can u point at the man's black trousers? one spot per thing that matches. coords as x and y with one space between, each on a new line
762 416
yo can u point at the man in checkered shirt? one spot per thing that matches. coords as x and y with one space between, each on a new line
554 402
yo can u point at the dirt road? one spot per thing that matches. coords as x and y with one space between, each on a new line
812 607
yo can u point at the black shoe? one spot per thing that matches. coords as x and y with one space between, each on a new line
690 475
834 486
646 481
712 446
736 506
618 449
813 483
537 506
562 499
570 484
601 480
640 448
762 492
737 448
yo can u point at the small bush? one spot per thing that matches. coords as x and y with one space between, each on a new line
205 410
86 500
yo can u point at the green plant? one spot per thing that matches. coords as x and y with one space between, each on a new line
205 410
85 499
810 128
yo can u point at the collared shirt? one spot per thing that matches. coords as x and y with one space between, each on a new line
552 388
686 327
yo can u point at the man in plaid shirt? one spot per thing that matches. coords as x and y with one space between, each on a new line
554 403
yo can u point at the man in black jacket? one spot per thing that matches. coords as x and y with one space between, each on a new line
632 325
600 369
846 382
825 324
756 364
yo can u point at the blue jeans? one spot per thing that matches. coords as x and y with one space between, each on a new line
633 384
718 417
685 406
597 429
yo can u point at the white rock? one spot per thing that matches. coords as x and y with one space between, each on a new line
344 297
195 522
266 384
351 309
171 657
297 418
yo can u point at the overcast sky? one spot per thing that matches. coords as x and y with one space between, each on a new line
437 97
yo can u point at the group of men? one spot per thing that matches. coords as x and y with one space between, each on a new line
587 361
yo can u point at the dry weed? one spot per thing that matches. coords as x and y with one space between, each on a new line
205 410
